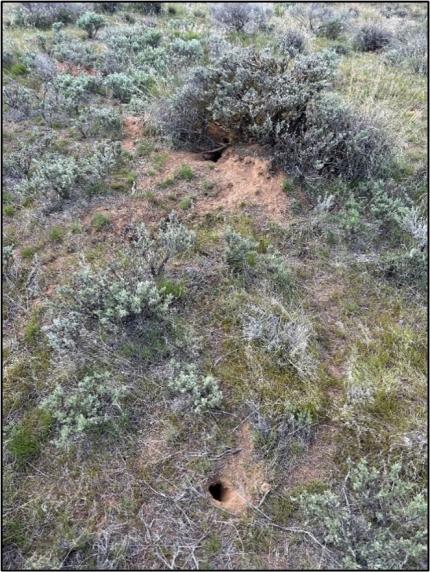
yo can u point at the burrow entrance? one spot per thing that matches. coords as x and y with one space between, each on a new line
219 491
215 154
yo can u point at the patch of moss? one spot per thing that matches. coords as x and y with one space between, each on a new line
28 436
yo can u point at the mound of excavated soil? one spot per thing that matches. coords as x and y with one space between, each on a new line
245 179
240 480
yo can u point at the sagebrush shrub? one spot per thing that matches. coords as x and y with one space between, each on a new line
248 93
100 121
105 299
187 50
241 16
59 177
203 391
155 8
375 521
124 86
292 42
240 252
335 141
20 102
91 402
53 174
91 23
108 7
68 49
371 37
171 239
409 49
279 102
283 333
43 14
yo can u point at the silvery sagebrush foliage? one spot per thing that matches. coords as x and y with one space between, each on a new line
67 49
187 50
18 163
99 121
20 102
60 177
91 402
409 49
97 166
203 391
241 16
417 227
240 252
282 332
335 141
114 298
292 42
377 520
52 174
172 238
44 14
73 91
41 65
91 23
124 86
372 37
129 47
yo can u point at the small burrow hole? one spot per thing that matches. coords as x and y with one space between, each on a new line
215 154
218 491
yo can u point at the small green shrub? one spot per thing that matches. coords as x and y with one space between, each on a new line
186 203
56 234
29 251
376 521
240 253
185 173
176 289
9 210
100 221
93 401
203 392
91 23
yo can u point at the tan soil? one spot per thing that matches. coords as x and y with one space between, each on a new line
242 476
245 179
133 127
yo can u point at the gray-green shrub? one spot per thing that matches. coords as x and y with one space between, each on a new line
91 402
91 23
371 38
376 520
203 391
172 238
282 332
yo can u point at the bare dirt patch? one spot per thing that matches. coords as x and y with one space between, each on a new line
133 131
245 179
240 480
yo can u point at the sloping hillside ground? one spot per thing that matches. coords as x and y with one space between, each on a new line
239 386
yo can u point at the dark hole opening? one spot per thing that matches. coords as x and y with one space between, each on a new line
215 154
217 490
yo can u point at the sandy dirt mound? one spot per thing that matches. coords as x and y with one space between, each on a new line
239 481
244 178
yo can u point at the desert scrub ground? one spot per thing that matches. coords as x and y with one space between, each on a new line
214 285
